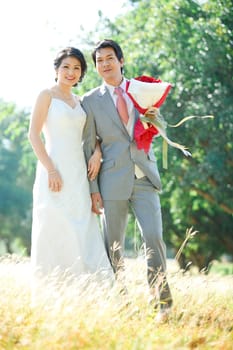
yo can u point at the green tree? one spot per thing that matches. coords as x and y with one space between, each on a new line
15 180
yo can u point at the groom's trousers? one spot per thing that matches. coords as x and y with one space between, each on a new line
145 204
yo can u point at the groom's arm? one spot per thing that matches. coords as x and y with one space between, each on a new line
89 141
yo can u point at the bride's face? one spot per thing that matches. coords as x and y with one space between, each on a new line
69 71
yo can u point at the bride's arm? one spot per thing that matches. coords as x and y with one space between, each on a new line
94 162
38 117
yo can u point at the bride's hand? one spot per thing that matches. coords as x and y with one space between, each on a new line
55 181
97 203
94 164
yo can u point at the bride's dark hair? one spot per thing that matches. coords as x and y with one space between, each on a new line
71 52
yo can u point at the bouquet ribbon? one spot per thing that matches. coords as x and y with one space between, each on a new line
161 127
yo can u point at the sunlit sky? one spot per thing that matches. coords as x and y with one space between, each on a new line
28 31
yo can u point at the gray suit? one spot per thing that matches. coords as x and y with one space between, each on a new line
119 187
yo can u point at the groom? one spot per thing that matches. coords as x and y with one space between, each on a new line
128 176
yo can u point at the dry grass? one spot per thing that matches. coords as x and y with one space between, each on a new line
94 316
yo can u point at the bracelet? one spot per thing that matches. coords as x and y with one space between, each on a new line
52 172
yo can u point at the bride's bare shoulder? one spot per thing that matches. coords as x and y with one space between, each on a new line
44 97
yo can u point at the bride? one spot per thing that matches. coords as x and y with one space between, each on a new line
65 233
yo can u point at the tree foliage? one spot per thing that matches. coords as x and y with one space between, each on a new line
15 180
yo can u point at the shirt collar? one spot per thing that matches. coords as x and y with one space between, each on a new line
111 87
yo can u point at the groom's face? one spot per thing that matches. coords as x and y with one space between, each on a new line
108 66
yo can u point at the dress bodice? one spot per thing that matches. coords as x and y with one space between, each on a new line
63 128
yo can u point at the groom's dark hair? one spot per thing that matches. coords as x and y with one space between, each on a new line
108 43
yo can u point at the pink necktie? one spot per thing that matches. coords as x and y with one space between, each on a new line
121 105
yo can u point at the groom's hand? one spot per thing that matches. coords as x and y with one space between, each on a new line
97 203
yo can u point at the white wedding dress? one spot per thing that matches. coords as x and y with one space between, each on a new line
65 233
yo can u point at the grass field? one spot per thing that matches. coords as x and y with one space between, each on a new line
93 316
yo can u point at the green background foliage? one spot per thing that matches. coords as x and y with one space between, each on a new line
190 46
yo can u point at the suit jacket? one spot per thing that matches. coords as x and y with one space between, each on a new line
120 153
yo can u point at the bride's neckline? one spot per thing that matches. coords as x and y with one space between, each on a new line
69 99
66 103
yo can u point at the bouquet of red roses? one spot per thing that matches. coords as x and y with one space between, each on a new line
148 94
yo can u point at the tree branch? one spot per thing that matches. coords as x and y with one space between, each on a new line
211 199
